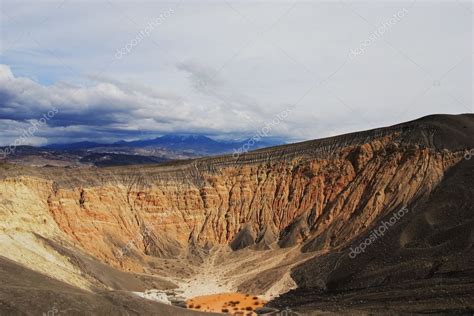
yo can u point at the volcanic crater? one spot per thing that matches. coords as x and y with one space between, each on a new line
271 227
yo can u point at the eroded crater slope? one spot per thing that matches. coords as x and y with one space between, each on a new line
263 223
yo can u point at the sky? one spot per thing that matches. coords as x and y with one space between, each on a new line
111 70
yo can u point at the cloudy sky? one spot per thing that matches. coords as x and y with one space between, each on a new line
138 69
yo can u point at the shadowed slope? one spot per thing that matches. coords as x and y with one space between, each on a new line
25 292
422 264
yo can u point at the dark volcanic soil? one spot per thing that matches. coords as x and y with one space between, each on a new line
25 292
424 264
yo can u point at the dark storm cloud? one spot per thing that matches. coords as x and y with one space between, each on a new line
105 110
102 105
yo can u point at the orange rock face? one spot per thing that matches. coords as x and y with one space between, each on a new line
311 193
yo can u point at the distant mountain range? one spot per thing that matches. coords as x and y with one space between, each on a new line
188 144
160 149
